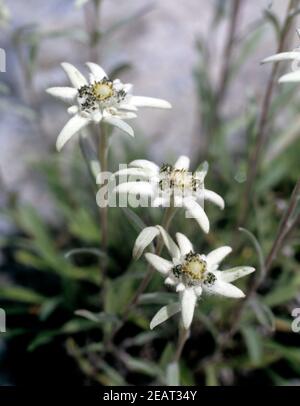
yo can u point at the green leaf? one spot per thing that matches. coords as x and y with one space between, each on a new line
134 219
101 317
71 327
20 294
254 344
283 293
136 365
48 307
263 314
258 250
160 298
140 339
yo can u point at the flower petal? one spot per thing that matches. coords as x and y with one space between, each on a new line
188 303
126 115
170 280
67 94
180 287
76 78
144 239
126 106
198 290
290 77
164 314
160 264
73 110
183 162
141 101
184 244
169 243
230 275
217 255
224 289
97 72
135 188
212 197
73 126
145 164
197 212
136 172
283 56
116 122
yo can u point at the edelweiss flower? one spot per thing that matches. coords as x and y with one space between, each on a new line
169 182
193 274
100 99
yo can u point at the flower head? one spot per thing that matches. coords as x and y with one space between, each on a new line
192 274
99 99
171 184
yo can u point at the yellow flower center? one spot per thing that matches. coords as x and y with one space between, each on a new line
194 267
103 90
180 179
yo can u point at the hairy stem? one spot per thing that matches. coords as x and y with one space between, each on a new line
182 339
103 212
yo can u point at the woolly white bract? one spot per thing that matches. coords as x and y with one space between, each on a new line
99 99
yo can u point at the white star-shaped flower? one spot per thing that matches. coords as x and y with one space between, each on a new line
192 274
171 183
99 99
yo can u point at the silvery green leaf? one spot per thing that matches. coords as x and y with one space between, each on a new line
136 221
164 314
141 366
253 341
144 239
263 314
96 317
258 250
91 251
173 374
160 298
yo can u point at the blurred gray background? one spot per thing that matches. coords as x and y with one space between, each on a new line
160 45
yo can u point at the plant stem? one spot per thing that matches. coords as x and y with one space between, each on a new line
182 339
213 125
261 134
103 212
286 224
284 227
227 52
92 22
